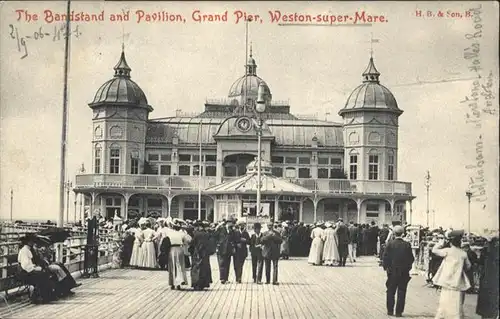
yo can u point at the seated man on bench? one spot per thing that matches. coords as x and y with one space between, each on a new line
34 274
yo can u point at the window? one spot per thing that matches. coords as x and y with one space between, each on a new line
184 170
230 171
184 158
195 158
154 202
290 160
337 173
114 161
165 170
304 160
134 166
277 171
372 207
322 172
323 160
353 167
373 167
290 172
153 157
336 161
109 201
97 160
166 157
390 168
277 159
154 169
210 171
372 214
210 158
304 172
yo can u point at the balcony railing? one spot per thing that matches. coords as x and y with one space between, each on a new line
143 181
334 186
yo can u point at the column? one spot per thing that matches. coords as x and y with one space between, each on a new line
125 207
315 202
358 204
169 204
411 213
276 208
145 206
301 209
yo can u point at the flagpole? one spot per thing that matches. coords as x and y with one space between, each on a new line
199 171
60 220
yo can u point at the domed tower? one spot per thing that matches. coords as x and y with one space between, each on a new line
120 118
371 130
245 89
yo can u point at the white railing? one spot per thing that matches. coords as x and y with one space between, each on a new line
340 186
73 251
229 102
143 181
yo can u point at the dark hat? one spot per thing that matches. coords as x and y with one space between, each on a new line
257 225
456 233
28 237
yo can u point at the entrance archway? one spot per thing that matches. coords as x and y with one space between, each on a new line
236 164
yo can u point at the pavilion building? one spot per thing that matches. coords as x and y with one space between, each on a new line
311 169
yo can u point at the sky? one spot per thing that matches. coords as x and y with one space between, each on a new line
315 67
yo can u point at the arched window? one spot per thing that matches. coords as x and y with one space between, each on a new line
114 160
353 165
373 163
390 166
97 159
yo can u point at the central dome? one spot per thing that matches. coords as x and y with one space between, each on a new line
247 87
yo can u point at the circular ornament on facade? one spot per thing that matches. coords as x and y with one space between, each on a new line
244 124
98 132
116 132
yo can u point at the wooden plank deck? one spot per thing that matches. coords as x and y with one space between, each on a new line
356 291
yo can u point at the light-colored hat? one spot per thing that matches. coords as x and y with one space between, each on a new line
327 224
398 230
284 224
142 221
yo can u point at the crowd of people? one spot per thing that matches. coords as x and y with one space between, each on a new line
179 246
176 245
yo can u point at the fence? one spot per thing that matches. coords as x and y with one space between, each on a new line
73 250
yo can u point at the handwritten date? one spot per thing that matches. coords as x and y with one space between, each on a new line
58 33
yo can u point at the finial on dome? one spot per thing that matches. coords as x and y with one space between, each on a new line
251 65
122 69
371 74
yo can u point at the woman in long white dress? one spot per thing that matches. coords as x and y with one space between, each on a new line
136 256
451 277
330 249
176 241
148 248
316 245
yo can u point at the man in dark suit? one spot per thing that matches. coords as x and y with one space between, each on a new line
397 262
242 240
271 244
353 241
343 241
256 253
226 248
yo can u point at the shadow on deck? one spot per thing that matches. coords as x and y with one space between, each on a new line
305 291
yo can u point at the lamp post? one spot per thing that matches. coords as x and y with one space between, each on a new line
82 197
260 108
427 186
11 203
68 185
468 193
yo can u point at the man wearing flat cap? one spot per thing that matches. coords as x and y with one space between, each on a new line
397 262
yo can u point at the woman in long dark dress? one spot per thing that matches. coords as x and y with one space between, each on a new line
487 300
201 273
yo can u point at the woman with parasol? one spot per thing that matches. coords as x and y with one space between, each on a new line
34 274
64 282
